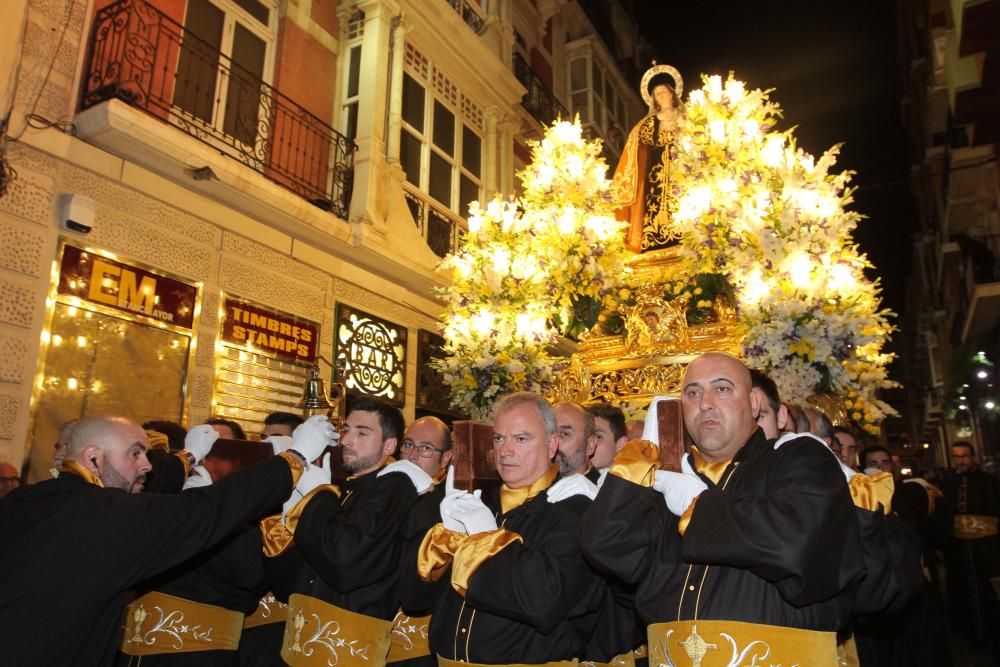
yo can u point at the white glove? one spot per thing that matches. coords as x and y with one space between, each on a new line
678 489
199 477
449 505
314 435
312 478
571 485
651 427
279 443
199 441
474 515
422 482
686 465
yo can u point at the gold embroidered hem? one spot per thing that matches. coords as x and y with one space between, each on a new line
637 462
436 551
409 637
269 610
157 623
319 633
975 526
870 492
513 498
623 660
724 643
78 469
847 653
476 550
447 662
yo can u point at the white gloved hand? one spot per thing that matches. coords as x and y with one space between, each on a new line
314 435
651 427
678 489
571 485
279 443
312 478
474 515
199 441
422 482
449 505
199 478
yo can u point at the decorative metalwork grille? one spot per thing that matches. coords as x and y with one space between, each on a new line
143 57
440 227
539 100
469 14
432 392
370 355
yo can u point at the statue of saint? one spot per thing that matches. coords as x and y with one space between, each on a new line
641 183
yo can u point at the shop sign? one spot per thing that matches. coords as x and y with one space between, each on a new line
107 282
269 331
370 354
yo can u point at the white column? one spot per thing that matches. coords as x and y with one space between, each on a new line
398 39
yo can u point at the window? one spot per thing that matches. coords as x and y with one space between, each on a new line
221 66
352 74
593 95
439 148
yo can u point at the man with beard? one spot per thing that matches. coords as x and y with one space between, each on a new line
575 427
335 552
754 548
514 586
75 544
972 556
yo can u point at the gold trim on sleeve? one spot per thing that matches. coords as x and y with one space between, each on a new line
870 492
474 551
436 551
637 462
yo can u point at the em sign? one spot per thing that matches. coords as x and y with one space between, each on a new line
130 289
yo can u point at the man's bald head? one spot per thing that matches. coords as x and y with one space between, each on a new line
718 405
10 478
576 437
113 448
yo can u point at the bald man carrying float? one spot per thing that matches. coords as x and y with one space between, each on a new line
754 549
74 545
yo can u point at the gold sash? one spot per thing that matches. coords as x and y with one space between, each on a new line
158 623
409 637
724 643
975 526
446 662
269 610
319 633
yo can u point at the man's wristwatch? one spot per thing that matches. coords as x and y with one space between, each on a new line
189 457
299 454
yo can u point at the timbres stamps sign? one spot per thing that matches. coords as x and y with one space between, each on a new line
269 331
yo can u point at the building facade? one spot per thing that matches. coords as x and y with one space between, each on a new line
950 59
207 197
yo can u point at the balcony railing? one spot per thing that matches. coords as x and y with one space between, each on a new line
539 100
143 57
440 227
469 14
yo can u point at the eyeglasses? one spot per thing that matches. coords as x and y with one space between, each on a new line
16 481
424 451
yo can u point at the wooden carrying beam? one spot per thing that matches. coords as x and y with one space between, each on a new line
670 419
240 454
474 457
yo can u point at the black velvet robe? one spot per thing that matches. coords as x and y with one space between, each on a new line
348 548
776 542
72 549
532 602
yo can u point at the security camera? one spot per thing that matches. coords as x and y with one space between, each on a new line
77 213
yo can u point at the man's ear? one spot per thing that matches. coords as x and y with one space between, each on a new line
591 446
553 445
389 446
446 458
92 458
620 443
755 403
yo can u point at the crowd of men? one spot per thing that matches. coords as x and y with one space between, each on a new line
773 544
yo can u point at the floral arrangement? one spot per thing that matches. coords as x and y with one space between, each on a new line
529 270
774 221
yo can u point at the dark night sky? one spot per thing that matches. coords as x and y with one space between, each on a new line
834 69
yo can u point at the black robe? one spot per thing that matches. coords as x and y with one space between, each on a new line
971 563
776 542
348 548
532 602
73 549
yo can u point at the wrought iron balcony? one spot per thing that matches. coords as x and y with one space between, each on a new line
440 227
146 59
539 100
469 14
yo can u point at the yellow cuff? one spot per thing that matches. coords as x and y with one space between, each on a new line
637 462
474 551
184 456
436 551
682 523
868 492
295 463
275 536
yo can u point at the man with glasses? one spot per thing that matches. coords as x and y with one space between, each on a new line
9 479
427 443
